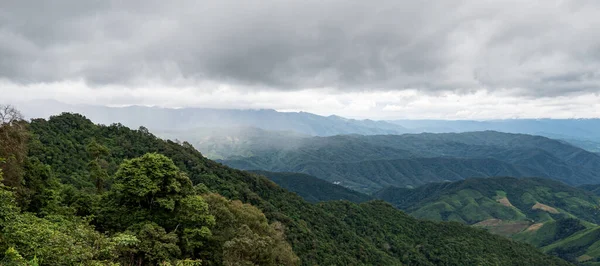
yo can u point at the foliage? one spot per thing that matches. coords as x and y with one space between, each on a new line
313 189
243 235
13 145
370 163
97 166
154 201
483 202
483 196
151 213
57 241
595 188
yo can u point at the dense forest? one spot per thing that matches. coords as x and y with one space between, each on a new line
78 193
313 189
558 218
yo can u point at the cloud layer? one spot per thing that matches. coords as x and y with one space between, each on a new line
527 50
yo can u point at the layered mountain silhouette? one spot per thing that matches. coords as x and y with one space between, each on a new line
369 163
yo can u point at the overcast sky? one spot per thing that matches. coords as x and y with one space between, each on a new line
444 59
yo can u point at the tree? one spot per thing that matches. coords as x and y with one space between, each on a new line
243 236
55 240
97 166
156 202
8 205
40 192
151 183
155 244
13 145
9 115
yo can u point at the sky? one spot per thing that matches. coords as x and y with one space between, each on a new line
381 59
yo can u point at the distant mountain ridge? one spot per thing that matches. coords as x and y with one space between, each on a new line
369 163
582 128
161 119
584 132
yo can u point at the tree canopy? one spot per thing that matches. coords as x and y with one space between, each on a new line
164 203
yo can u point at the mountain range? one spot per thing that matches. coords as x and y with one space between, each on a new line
369 163
584 133
174 119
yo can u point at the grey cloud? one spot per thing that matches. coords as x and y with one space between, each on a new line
538 48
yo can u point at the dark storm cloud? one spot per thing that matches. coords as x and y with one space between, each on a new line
535 48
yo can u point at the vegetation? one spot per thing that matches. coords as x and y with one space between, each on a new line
546 213
370 163
162 202
313 189
592 188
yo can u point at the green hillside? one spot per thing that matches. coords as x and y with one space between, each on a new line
549 214
83 182
592 188
313 189
370 163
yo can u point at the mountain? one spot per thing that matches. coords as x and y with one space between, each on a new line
185 119
584 133
593 146
71 150
369 163
585 129
313 189
560 219
518 194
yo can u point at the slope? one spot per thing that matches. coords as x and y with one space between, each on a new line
368 163
335 233
591 188
313 189
543 212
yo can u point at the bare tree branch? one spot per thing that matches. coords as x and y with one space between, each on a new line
9 114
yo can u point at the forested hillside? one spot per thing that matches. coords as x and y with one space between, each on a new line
549 214
370 163
83 193
313 189
591 188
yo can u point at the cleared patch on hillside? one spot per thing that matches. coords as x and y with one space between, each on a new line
584 258
534 227
544 207
504 228
504 201
489 222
